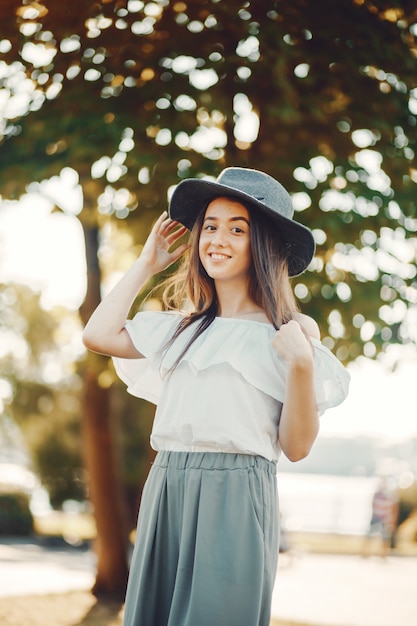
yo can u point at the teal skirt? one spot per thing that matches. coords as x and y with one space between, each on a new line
206 546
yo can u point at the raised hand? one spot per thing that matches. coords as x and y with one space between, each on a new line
291 343
156 251
105 332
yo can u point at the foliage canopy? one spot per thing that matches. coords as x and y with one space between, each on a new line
135 95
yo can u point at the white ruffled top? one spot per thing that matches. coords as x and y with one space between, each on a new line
226 393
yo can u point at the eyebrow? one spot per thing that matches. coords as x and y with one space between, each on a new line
232 219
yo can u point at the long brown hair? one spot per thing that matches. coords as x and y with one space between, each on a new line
268 281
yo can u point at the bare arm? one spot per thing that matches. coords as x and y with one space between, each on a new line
105 332
299 424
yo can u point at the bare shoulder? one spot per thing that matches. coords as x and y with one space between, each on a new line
309 326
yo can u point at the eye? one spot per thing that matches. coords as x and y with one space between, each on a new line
237 229
209 227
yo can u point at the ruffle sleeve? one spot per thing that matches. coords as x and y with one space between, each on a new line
149 331
243 345
331 378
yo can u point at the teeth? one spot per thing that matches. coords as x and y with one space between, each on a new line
218 257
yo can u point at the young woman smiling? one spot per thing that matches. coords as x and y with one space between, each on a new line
238 377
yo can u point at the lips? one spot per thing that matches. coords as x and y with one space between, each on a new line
218 257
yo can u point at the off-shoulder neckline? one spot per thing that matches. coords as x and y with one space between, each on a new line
220 318
244 320
316 342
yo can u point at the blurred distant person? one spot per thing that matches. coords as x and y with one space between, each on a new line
383 519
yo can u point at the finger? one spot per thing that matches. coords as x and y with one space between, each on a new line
168 225
173 237
159 222
178 252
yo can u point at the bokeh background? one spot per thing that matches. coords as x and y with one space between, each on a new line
104 107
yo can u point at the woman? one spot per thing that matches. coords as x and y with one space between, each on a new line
239 378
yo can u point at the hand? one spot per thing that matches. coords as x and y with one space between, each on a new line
163 235
291 344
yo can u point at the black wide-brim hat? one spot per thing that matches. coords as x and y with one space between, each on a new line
259 192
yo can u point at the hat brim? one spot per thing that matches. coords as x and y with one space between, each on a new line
193 195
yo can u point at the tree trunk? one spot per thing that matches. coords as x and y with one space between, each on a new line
104 484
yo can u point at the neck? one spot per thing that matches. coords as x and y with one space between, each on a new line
234 301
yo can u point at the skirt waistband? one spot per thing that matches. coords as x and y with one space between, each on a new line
213 461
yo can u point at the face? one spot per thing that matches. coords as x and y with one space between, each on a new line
224 244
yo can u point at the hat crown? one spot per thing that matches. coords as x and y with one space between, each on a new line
259 186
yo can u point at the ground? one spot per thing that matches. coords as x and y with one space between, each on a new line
335 564
78 608
69 609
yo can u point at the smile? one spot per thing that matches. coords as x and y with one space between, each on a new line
218 257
